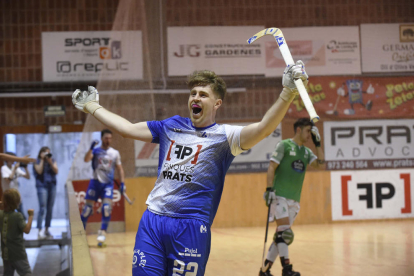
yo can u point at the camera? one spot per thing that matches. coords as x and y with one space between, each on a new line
49 155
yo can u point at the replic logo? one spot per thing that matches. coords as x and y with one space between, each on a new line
203 229
66 66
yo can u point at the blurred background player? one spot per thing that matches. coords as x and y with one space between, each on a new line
12 226
104 161
285 176
195 154
45 170
9 174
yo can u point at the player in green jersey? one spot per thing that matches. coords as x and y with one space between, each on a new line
284 186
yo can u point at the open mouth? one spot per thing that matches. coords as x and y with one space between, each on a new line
196 109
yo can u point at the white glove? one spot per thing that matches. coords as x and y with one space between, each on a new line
292 72
370 89
341 91
269 196
83 98
316 138
315 131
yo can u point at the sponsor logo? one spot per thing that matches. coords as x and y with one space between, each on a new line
406 33
113 52
177 130
139 256
63 67
371 194
88 41
189 252
400 53
203 229
298 166
342 46
66 67
190 50
218 51
292 153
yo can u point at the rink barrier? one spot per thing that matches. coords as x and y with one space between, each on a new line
79 262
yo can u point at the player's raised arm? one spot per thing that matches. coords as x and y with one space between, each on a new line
88 102
254 133
25 159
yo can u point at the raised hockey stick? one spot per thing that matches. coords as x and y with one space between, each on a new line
125 195
265 267
287 57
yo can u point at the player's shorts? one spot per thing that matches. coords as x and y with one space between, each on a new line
170 246
97 190
282 208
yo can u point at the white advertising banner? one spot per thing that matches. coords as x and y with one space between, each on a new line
255 159
88 56
369 144
387 47
324 50
223 50
358 195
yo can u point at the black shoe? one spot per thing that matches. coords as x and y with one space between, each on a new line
267 273
287 271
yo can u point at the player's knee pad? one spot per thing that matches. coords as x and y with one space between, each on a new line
87 211
284 236
106 210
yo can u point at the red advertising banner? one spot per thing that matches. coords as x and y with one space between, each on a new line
359 98
118 211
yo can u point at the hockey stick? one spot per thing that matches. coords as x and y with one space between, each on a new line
287 56
334 112
125 195
263 267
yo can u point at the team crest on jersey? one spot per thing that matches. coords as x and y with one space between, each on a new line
202 134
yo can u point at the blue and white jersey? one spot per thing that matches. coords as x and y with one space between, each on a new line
103 164
191 168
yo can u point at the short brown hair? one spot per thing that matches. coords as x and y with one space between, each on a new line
206 77
302 122
11 200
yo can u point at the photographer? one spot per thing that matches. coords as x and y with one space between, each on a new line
9 175
45 170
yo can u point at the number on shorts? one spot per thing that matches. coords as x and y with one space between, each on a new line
179 266
108 192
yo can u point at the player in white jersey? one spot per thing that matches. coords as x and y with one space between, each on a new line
104 161
173 237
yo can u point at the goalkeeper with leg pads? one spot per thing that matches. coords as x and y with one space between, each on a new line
284 186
